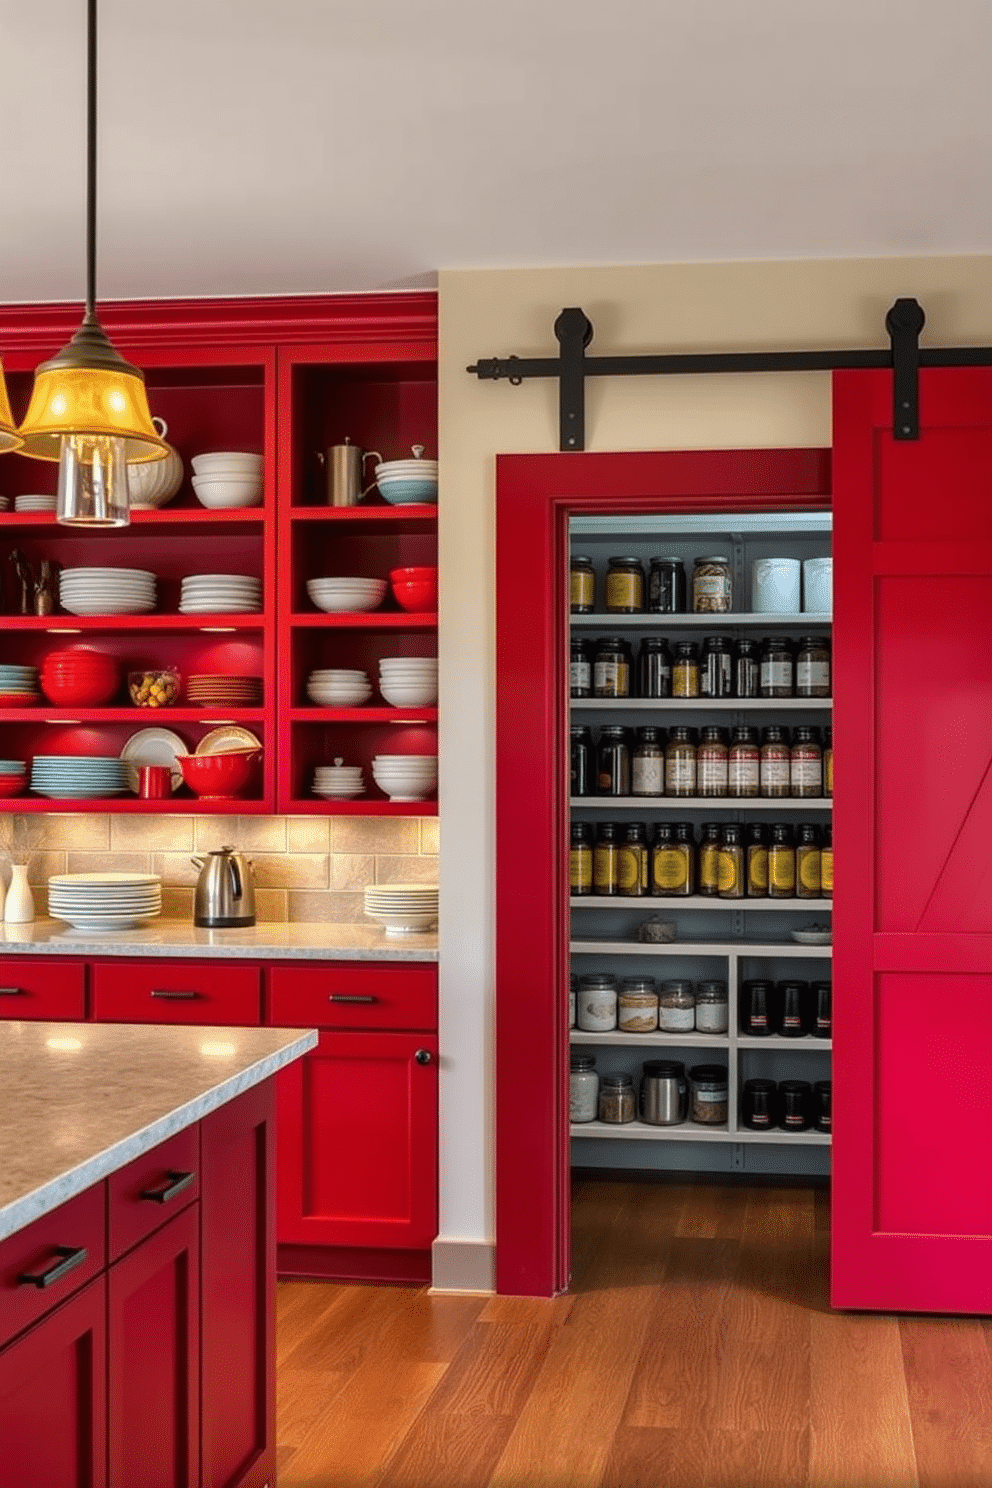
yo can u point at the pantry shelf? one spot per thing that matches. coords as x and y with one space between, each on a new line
697 901
610 624
768 804
656 1040
634 1131
705 705
714 948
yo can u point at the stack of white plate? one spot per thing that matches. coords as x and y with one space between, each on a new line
4 503
402 908
336 596
409 681
107 591
18 684
105 901
34 503
209 594
77 777
339 687
227 478
338 782
405 777
223 691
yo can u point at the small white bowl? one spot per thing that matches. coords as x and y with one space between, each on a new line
409 697
241 460
227 494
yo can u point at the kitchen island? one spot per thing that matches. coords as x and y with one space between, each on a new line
137 1254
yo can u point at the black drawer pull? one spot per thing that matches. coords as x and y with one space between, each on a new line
69 1260
349 997
12 992
174 1184
167 996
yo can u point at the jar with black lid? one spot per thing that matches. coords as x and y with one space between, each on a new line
708 1086
758 1104
597 1002
582 586
666 586
743 763
581 668
580 858
606 859
647 762
795 1100
711 762
808 861
709 860
632 868
712 586
625 586
654 668
716 679
616 1099
820 997
822 1100
777 671
731 862
781 863
813 667
757 1007
680 762
669 863
747 668
828 761
573 992
676 1005
806 763
685 841
583 1087
663 1098
685 669
613 761
792 1018
775 762
637 1007
756 860
583 763
712 1014
827 864
611 668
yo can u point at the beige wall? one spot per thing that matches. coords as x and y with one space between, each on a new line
306 867
648 308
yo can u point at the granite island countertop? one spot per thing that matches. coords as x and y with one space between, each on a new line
310 941
81 1100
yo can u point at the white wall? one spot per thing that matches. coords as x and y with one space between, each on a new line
773 306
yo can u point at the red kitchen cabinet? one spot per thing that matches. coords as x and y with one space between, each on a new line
154 1358
53 1398
49 988
209 992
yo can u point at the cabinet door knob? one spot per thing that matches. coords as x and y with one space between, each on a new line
68 1259
423 1056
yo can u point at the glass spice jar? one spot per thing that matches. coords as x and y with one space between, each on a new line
711 762
808 862
666 586
805 763
716 678
583 1088
606 859
654 668
632 867
647 762
708 1100
776 668
680 763
743 763
828 761
669 869
583 763
712 586
637 1005
731 862
616 1099
685 840
625 586
685 670
756 855
573 992
613 761
676 1006
597 1003
813 667
781 863
580 668
773 766
712 1007
580 858
827 864
709 860
747 668
582 586
611 668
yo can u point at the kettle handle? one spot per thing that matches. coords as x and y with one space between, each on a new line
232 863
197 862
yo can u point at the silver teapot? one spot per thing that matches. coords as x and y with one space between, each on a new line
225 891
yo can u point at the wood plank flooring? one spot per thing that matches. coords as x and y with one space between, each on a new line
696 1349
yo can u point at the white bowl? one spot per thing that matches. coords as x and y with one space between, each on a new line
340 699
399 924
241 459
409 697
405 759
221 495
339 600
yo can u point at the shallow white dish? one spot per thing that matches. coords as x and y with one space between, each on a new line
226 738
812 937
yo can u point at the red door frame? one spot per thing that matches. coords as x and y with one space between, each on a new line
535 496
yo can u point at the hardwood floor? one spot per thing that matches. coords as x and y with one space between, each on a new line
695 1350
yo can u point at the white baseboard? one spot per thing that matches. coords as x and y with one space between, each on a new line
463 1266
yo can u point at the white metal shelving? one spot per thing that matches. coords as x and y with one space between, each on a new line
695 901
607 624
703 705
719 948
690 1131
770 805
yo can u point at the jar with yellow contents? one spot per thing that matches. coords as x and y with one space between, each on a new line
669 865
580 858
709 860
633 861
625 586
730 864
827 864
808 862
781 863
756 860
582 586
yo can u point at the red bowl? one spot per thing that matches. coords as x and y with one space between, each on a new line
220 775
415 589
80 691
13 785
19 699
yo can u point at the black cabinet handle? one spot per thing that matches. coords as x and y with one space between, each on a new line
174 1184
349 997
12 992
176 996
423 1056
68 1260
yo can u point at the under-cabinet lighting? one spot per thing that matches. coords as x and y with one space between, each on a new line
218 720
216 1049
63 630
62 1043
63 720
406 722
217 629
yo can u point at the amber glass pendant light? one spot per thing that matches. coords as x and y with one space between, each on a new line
88 408
9 437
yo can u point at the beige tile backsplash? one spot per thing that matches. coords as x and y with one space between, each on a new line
306 868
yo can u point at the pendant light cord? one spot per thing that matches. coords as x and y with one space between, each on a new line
91 159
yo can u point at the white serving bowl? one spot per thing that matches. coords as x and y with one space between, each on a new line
338 599
408 697
242 460
405 759
403 782
227 495
340 699
423 674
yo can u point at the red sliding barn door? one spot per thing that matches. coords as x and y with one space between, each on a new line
912 1223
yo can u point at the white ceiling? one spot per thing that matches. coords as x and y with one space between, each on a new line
310 146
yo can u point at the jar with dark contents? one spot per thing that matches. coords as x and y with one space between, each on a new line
583 761
669 865
708 1101
822 1099
676 1006
809 866
712 762
805 763
647 762
582 586
828 761
792 1012
716 679
606 859
666 586
616 1099
613 761
813 667
774 764
685 840
583 1088
633 864
757 1007
625 586
777 679
580 668
823 1023
654 668
712 586
758 1104
685 670
637 1007
731 863
580 858
680 763
795 1098
747 668
712 1007
756 860
611 668
709 860
743 763
827 863
781 863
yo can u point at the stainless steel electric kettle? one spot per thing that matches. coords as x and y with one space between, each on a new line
225 891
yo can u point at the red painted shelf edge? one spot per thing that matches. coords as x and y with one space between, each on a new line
351 515
310 806
134 805
365 620
67 624
363 715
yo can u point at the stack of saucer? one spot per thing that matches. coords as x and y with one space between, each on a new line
338 782
225 692
105 901
34 503
402 908
107 591
207 594
77 777
4 503
18 686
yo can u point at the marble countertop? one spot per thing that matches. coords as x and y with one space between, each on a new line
81 1100
312 941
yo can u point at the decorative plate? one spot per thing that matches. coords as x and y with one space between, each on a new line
223 740
153 746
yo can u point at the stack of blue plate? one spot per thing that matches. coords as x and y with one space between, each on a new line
18 685
77 777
